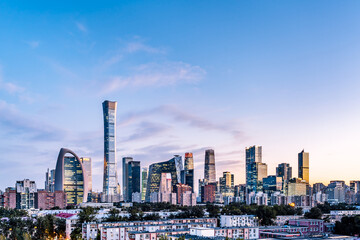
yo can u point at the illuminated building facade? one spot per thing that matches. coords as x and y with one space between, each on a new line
174 166
227 184
303 160
189 170
209 167
70 177
144 177
25 194
110 185
50 180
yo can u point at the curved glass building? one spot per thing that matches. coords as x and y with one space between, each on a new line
70 177
174 166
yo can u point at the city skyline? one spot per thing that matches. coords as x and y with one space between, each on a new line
183 83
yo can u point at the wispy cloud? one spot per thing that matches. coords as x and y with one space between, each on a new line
156 75
81 27
14 122
33 44
133 47
146 130
9 87
179 115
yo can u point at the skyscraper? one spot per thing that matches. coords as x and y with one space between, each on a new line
303 160
110 184
134 179
25 194
173 166
255 169
70 177
189 170
50 180
285 171
86 162
125 175
209 168
144 177
227 184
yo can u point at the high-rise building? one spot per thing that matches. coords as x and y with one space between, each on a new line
125 175
25 194
144 177
256 170
189 170
272 184
209 168
303 160
336 192
173 166
110 185
318 187
355 186
50 180
70 177
227 184
48 200
285 171
297 187
134 179
86 162
208 192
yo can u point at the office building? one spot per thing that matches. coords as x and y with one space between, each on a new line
125 177
48 200
25 194
208 193
144 176
87 165
70 177
209 167
303 161
297 187
336 192
173 166
227 184
50 180
285 172
189 170
318 187
256 170
110 185
272 184
134 179
355 186
180 189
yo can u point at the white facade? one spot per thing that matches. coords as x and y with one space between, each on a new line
202 232
238 221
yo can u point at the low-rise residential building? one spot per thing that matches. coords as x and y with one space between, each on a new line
238 221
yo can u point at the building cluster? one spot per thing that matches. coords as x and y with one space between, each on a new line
173 180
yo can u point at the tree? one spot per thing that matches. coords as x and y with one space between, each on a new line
213 210
266 215
113 216
314 213
348 226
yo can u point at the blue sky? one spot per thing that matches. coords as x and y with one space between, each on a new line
187 75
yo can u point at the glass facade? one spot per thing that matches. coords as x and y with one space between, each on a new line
255 169
134 178
173 166
303 160
73 181
110 185
125 175
144 177
189 170
209 168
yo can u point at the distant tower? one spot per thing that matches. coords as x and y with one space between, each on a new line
209 168
256 170
189 170
285 171
110 186
144 176
125 175
134 179
86 162
303 160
